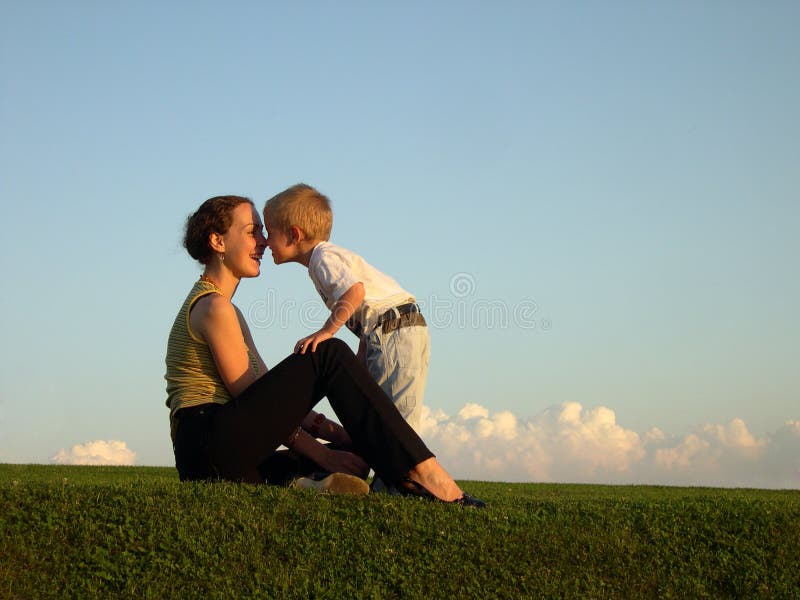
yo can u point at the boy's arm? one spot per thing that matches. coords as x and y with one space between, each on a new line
342 310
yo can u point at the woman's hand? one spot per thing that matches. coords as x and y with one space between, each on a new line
341 461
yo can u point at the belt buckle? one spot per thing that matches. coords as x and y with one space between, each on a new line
387 316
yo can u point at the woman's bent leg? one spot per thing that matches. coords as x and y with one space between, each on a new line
378 430
248 429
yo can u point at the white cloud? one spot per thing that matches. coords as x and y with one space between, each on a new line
568 442
473 411
98 452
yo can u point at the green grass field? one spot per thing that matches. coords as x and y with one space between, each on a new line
136 532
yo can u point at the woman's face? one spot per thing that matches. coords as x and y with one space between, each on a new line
244 242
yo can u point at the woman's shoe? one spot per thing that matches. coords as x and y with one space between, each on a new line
409 487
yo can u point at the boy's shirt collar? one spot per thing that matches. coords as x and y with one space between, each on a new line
314 250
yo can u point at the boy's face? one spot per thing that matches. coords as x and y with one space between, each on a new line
279 244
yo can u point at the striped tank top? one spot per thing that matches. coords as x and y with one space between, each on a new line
192 376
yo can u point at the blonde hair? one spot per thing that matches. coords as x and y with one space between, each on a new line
301 206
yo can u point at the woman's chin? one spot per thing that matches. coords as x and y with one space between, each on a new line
256 268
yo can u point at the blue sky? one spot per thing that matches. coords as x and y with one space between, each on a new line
598 201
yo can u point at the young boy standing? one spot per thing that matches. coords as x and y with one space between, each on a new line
393 337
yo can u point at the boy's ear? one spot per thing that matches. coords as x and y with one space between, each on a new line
296 234
216 243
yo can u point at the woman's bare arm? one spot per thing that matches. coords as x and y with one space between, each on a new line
215 320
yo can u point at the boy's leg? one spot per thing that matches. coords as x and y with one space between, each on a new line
398 361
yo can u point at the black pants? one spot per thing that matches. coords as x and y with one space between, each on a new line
235 440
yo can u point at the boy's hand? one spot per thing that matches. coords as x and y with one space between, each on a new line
341 311
310 342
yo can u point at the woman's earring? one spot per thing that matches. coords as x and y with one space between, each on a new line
221 257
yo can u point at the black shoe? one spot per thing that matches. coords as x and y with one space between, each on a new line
409 487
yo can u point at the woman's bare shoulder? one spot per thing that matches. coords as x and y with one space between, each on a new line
212 311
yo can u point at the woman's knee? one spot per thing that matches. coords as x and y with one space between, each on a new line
334 346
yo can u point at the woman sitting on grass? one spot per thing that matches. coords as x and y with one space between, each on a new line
229 413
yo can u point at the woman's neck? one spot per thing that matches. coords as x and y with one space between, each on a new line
223 279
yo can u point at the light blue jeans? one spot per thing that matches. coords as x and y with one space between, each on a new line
398 361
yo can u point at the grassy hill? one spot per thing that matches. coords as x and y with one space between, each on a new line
136 532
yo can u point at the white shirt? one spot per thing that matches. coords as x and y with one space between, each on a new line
334 270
